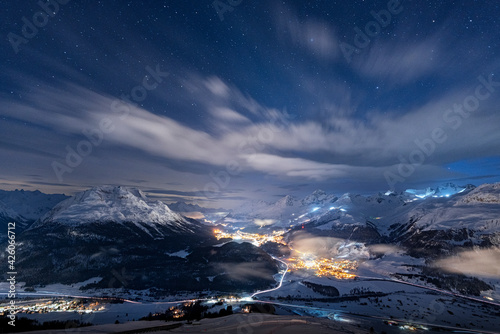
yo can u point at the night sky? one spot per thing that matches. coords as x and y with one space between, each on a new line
219 102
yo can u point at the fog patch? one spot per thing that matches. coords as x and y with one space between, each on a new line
479 263
327 247
264 222
193 215
383 249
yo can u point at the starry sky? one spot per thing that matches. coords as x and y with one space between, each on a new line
217 102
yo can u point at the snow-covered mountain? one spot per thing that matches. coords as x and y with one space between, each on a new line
282 213
9 215
117 227
30 205
486 193
318 197
429 226
115 205
25 207
290 211
106 230
351 217
284 206
444 190
439 226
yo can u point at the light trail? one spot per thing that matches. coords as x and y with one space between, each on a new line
279 285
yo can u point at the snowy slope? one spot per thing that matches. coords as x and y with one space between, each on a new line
24 207
484 194
477 210
285 206
290 211
444 190
30 205
7 214
113 204
107 230
434 227
285 212
319 197
435 224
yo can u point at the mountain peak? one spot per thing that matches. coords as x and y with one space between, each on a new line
318 197
110 191
111 204
443 190
288 200
29 205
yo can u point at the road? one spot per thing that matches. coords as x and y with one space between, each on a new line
279 285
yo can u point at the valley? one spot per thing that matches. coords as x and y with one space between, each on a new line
347 259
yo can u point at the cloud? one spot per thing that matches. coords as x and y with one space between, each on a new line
384 249
304 243
293 167
228 115
264 222
194 215
217 87
401 63
71 110
314 35
236 127
478 263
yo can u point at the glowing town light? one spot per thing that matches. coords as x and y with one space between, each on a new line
332 208
310 264
315 209
343 210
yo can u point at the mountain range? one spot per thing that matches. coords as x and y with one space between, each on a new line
127 240
119 235
25 207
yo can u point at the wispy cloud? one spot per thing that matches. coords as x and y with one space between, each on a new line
402 63
478 263
340 147
314 35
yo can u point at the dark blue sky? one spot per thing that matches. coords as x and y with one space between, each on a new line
278 97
